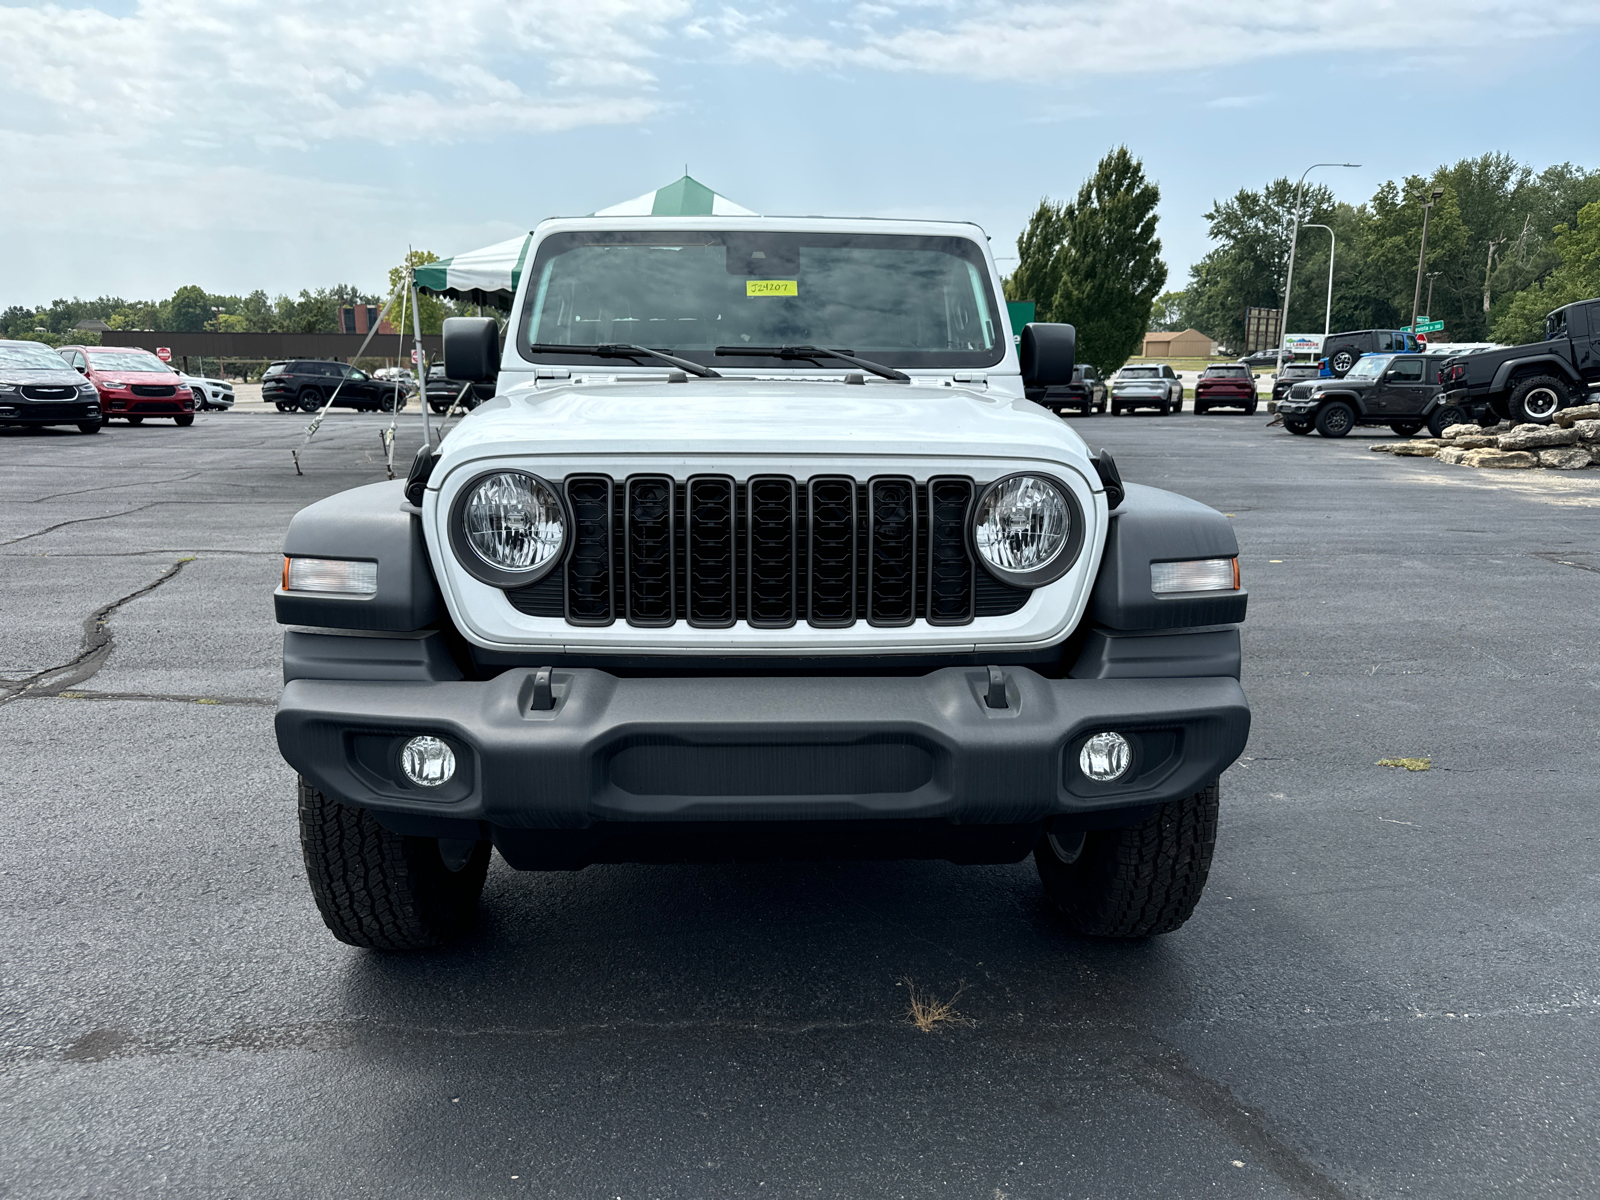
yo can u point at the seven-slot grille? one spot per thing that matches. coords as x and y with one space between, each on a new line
771 551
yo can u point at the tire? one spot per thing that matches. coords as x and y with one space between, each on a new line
388 404
282 407
1116 410
310 400
1341 360
1536 401
439 408
1135 882
1405 428
1200 409
383 890
1442 418
89 426
1298 428
184 421
1250 409
1335 419
1166 408
135 420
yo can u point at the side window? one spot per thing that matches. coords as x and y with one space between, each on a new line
1384 342
1593 313
1406 370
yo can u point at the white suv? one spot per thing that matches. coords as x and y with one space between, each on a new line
758 551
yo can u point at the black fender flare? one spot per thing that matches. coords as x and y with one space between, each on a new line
1504 372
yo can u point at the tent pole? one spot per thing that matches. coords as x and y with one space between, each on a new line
416 327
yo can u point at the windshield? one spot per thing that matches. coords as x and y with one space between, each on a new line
900 300
1227 372
1140 373
31 358
1369 366
127 360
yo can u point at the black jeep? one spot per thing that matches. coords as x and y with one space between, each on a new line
1530 384
1342 350
1398 390
1086 393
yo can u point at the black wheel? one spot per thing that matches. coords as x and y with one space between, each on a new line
1250 409
1405 428
390 404
1200 409
439 408
89 426
135 420
1116 410
1299 428
1442 418
1166 409
1177 405
310 400
1536 401
282 407
384 890
1335 419
1134 882
184 421
1342 359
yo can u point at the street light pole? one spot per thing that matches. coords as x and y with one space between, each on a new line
1422 254
1432 275
1333 244
1294 233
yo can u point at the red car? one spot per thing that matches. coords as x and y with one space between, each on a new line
1227 385
133 384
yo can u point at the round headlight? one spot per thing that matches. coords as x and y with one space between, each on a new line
513 525
1025 529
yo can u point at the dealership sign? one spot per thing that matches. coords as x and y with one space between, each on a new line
1302 343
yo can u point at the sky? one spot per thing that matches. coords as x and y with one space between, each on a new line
288 144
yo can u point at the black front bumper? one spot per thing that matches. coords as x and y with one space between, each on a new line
48 412
712 750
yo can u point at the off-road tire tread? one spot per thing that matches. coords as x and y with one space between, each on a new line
1522 387
379 889
1140 881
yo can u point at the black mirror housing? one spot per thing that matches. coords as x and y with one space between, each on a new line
1048 352
471 349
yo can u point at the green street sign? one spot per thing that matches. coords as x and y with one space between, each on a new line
1425 327
1021 312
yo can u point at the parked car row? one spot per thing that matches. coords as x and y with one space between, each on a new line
1151 386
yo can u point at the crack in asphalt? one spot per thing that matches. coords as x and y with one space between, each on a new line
171 697
92 653
1160 1070
112 487
77 521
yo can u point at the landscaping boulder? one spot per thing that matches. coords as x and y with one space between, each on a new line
1451 454
1383 447
1505 460
1476 441
1587 431
1568 417
1422 450
1564 458
1537 437
1459 431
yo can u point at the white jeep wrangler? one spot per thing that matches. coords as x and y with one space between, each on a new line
759 551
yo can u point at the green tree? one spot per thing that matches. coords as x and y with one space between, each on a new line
1039 251
1577 277
1111 268
187 311
431 309
1167 313
1248 267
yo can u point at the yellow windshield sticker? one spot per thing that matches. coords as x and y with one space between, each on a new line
772 287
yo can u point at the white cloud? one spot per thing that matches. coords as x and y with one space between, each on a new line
1002 40
1236 101
295 72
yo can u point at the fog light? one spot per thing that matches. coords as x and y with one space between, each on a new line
1105 757
427 761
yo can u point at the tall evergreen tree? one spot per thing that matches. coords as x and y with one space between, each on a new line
1111 268
1038 273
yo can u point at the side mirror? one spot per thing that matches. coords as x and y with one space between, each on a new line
471 349
1048 352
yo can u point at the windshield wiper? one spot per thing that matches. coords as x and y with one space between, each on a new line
626 350
814 353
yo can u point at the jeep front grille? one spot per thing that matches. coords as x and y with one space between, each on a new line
772 552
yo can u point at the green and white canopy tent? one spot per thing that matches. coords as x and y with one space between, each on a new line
486 276
491 275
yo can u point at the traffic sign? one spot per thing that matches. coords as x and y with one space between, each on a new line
1425 327
164 353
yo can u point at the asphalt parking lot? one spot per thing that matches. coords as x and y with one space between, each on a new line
1391 988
